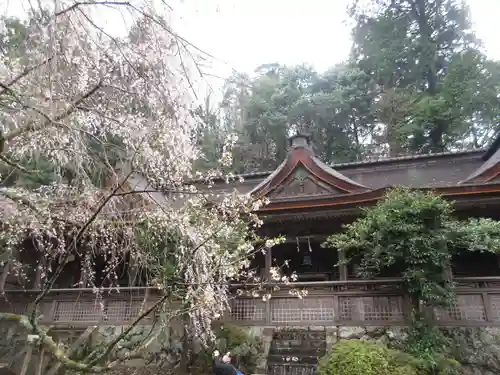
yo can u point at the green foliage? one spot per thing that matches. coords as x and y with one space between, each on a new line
161 249
416 81
335 107
480 234
407 231
356 357
41 172
431 347
416 234
426 47
245 349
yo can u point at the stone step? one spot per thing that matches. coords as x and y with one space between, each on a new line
298 349
305 369
298 343
304 348
300 335
293 359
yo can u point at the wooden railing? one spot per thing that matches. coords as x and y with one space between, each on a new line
348 303
361 302
81 307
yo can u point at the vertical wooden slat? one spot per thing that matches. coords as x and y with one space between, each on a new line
268 264
342 266
487 306
5 273
336 309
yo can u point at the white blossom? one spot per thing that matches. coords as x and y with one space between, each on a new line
96 107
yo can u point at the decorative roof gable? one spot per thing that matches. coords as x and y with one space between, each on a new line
302 175
489 172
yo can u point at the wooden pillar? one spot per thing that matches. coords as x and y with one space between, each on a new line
38 282
268 264
133 272
267 277
5 274
342 266
83 275
448 273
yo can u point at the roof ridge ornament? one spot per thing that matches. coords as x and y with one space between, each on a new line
300 140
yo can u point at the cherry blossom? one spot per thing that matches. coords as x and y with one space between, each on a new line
103 110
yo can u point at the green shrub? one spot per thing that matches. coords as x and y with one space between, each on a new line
355 357
245 349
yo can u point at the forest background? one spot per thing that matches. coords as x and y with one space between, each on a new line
417 80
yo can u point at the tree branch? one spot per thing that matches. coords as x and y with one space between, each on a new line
24 73
80 3
7 161
50 344
48 120
71 246
113 343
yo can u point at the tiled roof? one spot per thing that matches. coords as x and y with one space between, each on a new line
378 161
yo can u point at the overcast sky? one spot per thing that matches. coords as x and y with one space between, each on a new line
246 33
243 34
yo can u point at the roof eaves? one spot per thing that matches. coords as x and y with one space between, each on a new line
493 148
377 161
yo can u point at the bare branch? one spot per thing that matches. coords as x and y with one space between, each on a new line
86 3
72 245
129 329
34 126
23 74
9 162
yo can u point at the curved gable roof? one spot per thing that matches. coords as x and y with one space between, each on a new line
302 175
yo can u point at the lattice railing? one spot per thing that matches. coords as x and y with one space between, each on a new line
468 307
375 302
291 310
371 308
75 307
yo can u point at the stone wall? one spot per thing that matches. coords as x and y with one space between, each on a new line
479 351
478 348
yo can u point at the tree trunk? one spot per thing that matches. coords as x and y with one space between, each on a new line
428 67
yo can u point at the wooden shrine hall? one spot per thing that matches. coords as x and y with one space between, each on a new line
310 200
